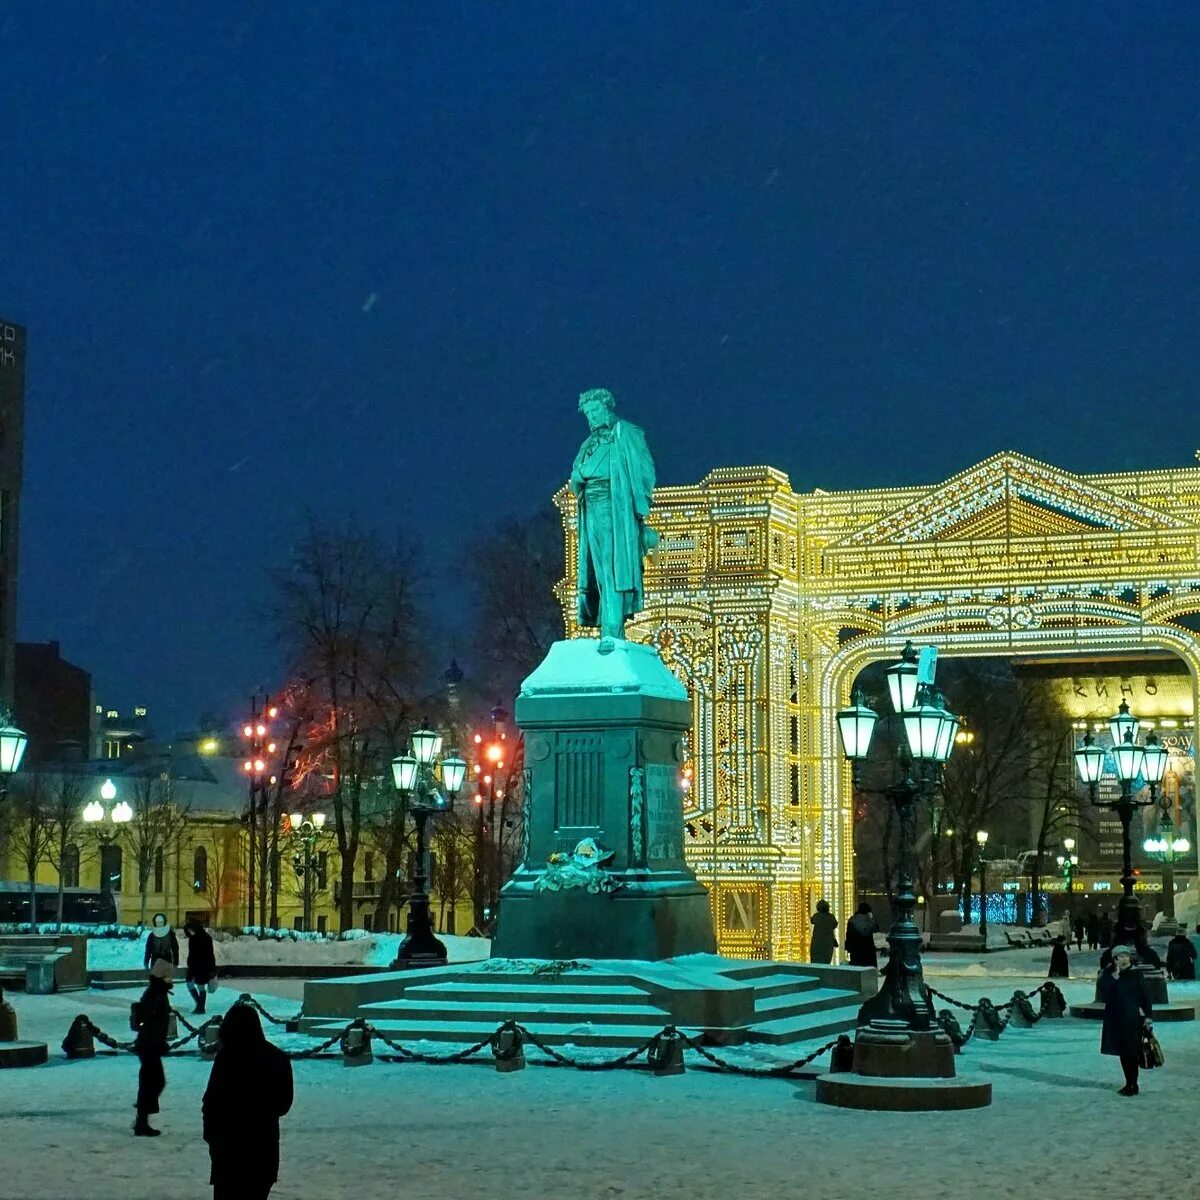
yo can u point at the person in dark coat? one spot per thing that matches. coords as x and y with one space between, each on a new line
249 1090
201 962
1104 929
161 942
1181 957
824 934
1125 1004
1080 930
1093 930
152 1014
1059 963
860 937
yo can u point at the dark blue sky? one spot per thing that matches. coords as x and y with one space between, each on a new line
361 259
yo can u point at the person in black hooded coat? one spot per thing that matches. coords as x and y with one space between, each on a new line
1060 967
201 962
1181 957
249 1090
1125 1004
860 937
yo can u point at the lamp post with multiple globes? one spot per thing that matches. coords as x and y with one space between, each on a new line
1166 846
306 833
981 841
416 776
1134 765
922 747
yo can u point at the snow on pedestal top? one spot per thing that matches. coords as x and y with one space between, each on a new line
576 665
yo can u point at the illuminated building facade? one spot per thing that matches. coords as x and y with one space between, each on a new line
768 602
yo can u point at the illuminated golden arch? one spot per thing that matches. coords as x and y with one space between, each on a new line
784 596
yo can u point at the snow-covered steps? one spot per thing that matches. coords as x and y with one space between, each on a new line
599 1002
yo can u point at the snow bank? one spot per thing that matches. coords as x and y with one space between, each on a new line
375 950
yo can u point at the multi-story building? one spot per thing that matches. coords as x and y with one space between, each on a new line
12 438
52 703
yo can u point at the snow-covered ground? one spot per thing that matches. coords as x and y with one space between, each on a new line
452 1133
376 950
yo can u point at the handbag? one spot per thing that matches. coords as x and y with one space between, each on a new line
135 1016
212 985
1152 1055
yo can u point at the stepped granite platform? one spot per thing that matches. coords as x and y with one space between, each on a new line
598 1002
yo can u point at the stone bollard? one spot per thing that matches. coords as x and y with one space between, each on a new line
356 1045
841 1058
1022 1013
666 1052
953 1030
988 1022
8 1021
508 1049
1053 1002
210 1040
79 1042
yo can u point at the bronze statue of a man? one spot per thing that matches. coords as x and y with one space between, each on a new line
613 480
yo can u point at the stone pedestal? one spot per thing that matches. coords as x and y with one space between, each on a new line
603 755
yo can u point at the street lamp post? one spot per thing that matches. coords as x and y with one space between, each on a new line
927 740
1166 847
416 778
94 816
1067 862
981 839
1131 762
13 742
307 832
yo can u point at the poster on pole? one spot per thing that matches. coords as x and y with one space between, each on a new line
927 665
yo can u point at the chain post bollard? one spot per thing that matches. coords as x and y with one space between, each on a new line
1021 1011
666 1052
210 1039
842 1058
79 1042
1052 1003
356 1044
508 1048
989 1024
8 1020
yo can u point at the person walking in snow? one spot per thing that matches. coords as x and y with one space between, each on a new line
824 934
1059 963
1181 957
860 937
1080 930
161 942
1125 1004
151 1015
201 962
1093 931
249 1089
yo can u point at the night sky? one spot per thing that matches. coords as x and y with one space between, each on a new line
361 258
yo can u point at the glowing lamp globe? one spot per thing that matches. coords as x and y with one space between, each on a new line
981 836
294 819
902 680
923 727
1181 845
1068 844
1089 761
93 812
856 725
1123 723
122 813
404 772
318 819
948 735
454 771
12 748
108 791
425 744
1154 760
1128 758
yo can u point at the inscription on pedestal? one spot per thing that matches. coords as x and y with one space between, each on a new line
664 816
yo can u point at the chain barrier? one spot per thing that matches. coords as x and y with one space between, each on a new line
246 998
402 1054
1021 1002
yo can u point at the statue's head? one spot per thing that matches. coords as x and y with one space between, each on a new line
597 405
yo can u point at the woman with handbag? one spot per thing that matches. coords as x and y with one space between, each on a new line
201 963
1125 1004
151 1016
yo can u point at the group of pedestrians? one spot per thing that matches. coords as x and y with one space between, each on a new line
250 1087
1094 927
860 936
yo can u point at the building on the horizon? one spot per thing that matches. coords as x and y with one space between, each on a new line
12 436
52 703
121 735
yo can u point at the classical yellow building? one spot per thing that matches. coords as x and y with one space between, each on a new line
767 602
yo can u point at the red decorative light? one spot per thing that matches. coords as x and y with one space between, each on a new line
248 731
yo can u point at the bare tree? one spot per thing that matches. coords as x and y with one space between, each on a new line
346 610
453 866
158 818
218 885
66 813
512 570
31 831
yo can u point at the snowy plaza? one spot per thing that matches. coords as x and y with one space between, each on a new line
455 1132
